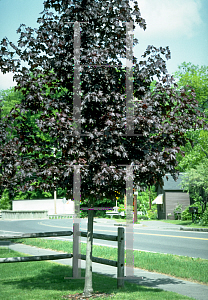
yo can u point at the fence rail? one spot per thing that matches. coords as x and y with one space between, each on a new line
101 260
57 256
59 233
101 236
119 238
35 258
36 235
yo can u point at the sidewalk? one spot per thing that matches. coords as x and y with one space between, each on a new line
143 224
151 225
150 279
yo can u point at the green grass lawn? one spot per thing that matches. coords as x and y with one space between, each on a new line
45 280
194 269
184 223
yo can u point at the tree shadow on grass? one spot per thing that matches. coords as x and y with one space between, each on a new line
155 283
142 283
51 277
106 282
46 276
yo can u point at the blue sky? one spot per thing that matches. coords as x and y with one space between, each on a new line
180 24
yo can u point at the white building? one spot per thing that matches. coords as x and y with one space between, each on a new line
60 206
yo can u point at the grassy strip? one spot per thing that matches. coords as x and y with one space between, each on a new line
184 223
45 280
194 269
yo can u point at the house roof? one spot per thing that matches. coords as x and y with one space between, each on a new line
171 184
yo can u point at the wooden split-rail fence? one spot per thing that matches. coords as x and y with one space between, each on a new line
76 233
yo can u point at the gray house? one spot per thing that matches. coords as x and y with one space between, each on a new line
169 196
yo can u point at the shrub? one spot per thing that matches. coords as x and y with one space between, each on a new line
186 215
121 208
178 209
32 195
83 214
4 201
140 217
204 218
152 214
100 213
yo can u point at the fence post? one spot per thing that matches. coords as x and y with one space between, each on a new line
120 266
76 259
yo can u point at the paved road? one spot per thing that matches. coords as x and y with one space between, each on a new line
150 236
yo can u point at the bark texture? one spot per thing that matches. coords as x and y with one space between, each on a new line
88 289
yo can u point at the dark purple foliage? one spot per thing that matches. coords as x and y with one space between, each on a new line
161 117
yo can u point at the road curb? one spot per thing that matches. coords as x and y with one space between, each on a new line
194 229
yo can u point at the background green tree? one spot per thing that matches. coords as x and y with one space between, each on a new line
195 182
145 198
5 202
197 78
10 97
194 151
195 157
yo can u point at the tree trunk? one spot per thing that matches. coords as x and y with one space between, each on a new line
88 290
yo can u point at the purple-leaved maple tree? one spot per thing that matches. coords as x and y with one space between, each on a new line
161 115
